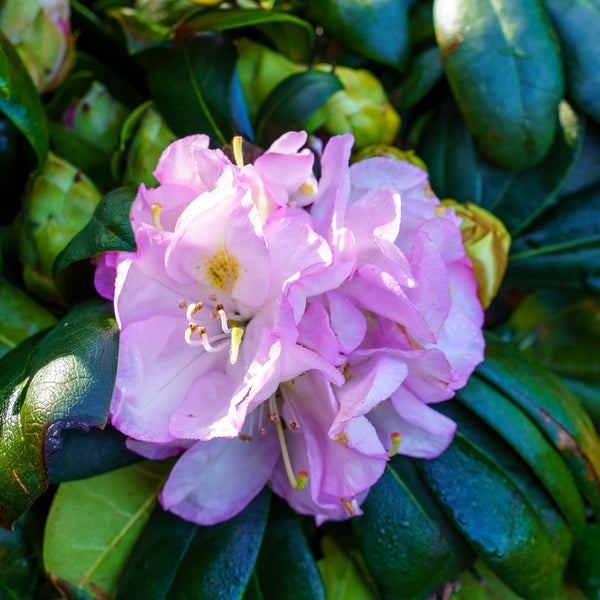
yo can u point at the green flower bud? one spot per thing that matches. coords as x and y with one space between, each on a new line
390 152
60 200
362 108
20 317
41 33
151 137
97 118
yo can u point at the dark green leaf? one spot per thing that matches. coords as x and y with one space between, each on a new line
286 567
18 565
293 102
290 35
577 23
109 229
528 441
62 382
193 88
22 104
20 317
504 67
175 559
424 72
500 522
585 561
406 541
89 553
85 454
586 171
377 29
562 248
5 79
552 408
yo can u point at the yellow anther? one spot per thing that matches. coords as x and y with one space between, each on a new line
396 437
156 210
308 189
236 340
237 151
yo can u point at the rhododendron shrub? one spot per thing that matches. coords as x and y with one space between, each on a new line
279 328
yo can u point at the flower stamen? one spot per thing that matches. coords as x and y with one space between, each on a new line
193 309
299 482
349 504
237 151
156 210
396 437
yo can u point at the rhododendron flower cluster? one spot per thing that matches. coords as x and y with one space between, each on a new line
279 328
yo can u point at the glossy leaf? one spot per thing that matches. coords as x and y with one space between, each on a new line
290 35
89 553
526 558
109 229
577 23
585 561
377 29
509 50
292 102
286 567
586 171
85 454
62 381
176 559
193 88
18 564
552 408
20 101
20 317
528 441
562 248
406 541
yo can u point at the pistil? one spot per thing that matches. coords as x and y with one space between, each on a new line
156 210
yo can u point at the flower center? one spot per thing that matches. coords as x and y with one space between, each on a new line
195 325
221 270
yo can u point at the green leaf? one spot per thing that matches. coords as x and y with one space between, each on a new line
504 68
406 541
84 454
290 35
577 23
193 88
286 567
498 411
377 29
20 101
176 559
292 102
141 33
424 73
548 404
586 171
585 561
62 381
20 317
562 248
109 229
18 565
89 553
341 575
501 523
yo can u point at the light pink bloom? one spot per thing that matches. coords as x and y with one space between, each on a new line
269 341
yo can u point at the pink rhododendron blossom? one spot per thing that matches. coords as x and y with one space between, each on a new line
279 328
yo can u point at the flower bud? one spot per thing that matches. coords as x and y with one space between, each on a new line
97 118
151 137
390 152
362 108
41 33
487 243
60 200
